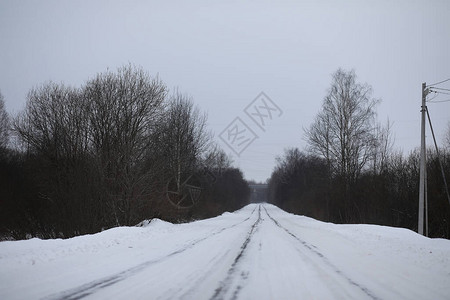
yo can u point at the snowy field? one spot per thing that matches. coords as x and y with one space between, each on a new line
258 252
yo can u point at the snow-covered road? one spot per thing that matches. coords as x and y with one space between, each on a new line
258 252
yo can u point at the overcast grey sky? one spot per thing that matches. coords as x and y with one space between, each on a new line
224 53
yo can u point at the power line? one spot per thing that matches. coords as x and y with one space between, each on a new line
438 82
439 157
438 101
430 100
439 92
435 96
436 88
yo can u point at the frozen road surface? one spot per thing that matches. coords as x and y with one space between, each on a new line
258 252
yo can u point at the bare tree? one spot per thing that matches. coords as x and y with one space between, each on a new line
54 122
124 110
287 164
383 147
344 130
217 160
53 129
4 123
319 137
184 141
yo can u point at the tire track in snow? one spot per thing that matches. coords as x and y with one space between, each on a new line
94 286
226 284
313 249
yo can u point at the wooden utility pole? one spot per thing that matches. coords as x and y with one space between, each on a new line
423 164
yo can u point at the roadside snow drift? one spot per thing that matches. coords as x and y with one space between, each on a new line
258 252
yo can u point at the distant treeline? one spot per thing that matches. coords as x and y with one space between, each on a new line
350 174
116 151
303 184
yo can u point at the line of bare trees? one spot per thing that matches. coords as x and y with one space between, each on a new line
350 173
102 155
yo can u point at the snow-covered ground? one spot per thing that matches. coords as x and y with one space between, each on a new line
258 252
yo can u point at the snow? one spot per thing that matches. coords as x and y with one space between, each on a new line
258 252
